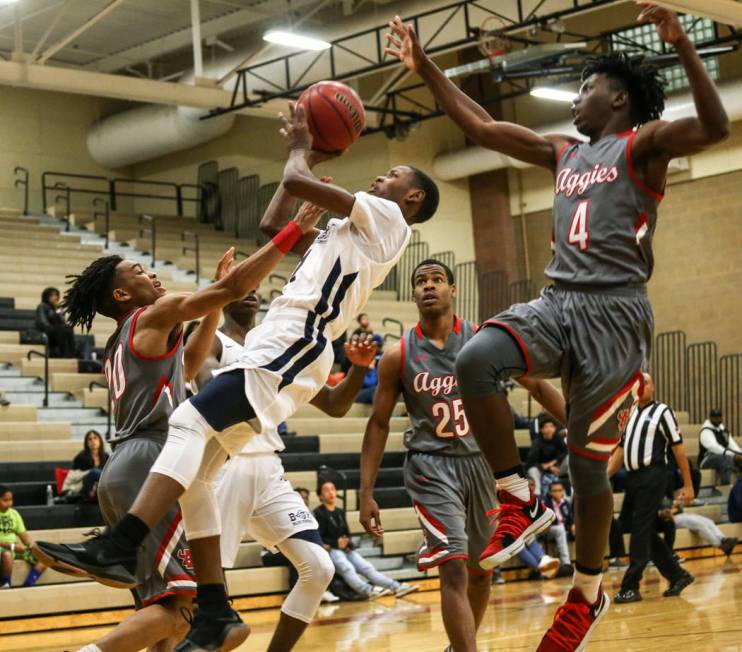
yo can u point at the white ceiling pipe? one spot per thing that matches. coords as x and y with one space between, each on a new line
475 160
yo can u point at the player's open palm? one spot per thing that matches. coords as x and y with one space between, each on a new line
668 26
361 350
404 45
308 216
370 517
295 129
224 266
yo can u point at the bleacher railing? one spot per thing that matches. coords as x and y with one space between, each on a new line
702 376
148 226
106 215
36 354
668 368
22 180
66 198
730 391
395 322
190 236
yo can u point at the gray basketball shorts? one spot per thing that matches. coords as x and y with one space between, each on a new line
451 495
597 341
164 566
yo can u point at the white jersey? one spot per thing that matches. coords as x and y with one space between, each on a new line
289 354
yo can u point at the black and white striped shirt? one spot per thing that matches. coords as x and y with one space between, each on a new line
648 433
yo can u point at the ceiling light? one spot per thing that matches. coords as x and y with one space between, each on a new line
293 40
556 94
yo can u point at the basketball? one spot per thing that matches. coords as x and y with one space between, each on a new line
335 115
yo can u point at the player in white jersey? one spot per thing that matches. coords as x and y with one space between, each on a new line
285 363
253 495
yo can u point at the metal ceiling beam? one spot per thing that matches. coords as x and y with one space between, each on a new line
42 41
80 30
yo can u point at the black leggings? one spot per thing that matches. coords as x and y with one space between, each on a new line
223 402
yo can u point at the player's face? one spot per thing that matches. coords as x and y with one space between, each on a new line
394 185
594 104
244 310
6 501
433 293
137 285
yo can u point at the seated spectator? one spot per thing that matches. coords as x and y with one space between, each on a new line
734 504
541 565
675 478
718 450
563 527
371 379
333 528
364 325
701 525
272 559
11 530
50 320
90 462
4 402
548 452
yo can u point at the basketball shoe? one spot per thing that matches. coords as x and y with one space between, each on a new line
518 522
574 622
212 632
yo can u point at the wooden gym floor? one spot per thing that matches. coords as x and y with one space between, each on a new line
706 618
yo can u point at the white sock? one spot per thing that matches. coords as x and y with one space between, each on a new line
588 584
90 648
516 485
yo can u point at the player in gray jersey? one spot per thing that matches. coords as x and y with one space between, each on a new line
451 486
146 367
593 326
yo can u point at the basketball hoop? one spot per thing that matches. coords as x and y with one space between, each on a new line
493 39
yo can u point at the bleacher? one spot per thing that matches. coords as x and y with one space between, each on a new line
34 439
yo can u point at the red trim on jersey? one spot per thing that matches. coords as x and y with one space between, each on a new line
604 407
590 455
124 317
430 518
599 440
419 331
421 566
401 350
561 151
632 173
169 354
167 594
166 539
181 578
479 572
164 382
509 329
456 324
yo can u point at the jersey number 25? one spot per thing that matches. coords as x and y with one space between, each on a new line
452 413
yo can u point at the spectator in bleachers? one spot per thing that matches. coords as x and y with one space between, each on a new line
701 525
335 533
91 459
50 320
734 504
364 325
12 530
562 528
718 450
371 379
541 565
548 452
4 402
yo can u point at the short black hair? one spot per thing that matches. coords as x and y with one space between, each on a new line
91 292
4 489
553 482
47 293
542 421
322 483
430 204
433 261
360 316
643 82
302 490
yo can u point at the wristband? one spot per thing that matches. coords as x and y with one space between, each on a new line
287 237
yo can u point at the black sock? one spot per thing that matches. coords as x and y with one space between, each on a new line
212 597
587 571
131 531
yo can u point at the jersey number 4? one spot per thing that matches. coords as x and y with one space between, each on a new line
452 413
579 232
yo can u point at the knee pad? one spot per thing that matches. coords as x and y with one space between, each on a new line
181 456
315 569
589 477
487 360
200 510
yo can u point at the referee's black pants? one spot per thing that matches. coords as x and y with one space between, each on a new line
645 490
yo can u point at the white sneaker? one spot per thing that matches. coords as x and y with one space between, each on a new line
5 586
329 597
406 589
548 566
378 592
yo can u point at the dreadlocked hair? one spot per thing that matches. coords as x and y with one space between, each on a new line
643 82
91 292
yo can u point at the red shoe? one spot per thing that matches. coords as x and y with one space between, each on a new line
574 622
519 523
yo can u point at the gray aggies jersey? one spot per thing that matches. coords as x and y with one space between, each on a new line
144 391
431 393
604 215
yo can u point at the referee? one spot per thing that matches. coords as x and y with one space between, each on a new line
651 428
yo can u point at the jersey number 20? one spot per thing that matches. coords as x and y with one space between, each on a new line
579 233
452 413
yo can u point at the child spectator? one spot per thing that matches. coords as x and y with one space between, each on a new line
563 527
545 458
11 530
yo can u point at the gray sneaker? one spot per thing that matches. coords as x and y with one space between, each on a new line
378 592
406 589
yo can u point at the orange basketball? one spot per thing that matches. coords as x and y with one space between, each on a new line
335 115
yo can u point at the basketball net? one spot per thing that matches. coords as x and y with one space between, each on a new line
493 40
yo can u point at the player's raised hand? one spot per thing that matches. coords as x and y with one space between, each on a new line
403 44
308 216
370 517
224 266
295 129
666 21
361 350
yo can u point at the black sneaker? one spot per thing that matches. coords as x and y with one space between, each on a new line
627 595
214 633
100 558
728 544
676 588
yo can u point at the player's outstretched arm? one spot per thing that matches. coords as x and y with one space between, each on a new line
297 175
336 401
377 432
547 395
687 135
510 139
